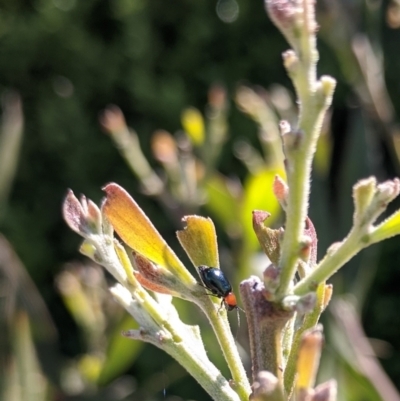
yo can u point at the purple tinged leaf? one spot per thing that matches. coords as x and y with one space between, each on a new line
83 216
268 238
326 391
310 232
74 212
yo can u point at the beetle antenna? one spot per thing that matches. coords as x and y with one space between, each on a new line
238 309
238 326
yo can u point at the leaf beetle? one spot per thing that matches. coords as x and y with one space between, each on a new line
214 280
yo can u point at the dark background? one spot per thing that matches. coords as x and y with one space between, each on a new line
68 60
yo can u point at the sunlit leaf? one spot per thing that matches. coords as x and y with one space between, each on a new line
137 231
199 240
125 262
389 228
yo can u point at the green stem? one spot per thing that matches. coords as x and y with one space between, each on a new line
223 332
310 320
295 212
350 246
180 341
208 376
299 171
300 159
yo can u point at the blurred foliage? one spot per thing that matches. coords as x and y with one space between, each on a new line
66 60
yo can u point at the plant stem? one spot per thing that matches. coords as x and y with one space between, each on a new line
163 328
350 246
296 212
310 320
299 159
223 332
204 372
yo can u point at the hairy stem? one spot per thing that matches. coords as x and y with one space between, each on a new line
223 332
334 259
299 158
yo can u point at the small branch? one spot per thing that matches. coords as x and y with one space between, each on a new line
310 320
161 326
299 162
332 262
297 22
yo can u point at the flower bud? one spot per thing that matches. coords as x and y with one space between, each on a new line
287 15
83 216
291 62
325 88
388 190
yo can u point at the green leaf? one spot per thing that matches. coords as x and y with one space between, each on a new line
389 228
199 240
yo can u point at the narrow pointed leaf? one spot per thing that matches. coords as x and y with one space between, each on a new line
310 231
125 262
389 228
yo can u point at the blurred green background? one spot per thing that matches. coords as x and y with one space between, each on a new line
62 62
